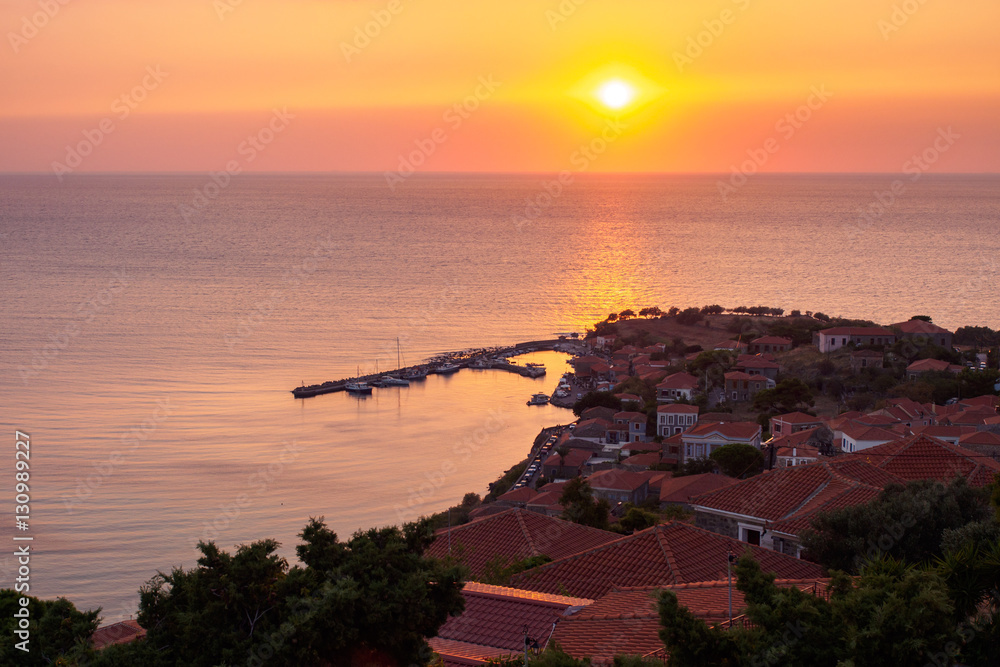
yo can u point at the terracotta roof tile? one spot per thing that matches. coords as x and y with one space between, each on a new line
682 489
515 535
668 553
122 632
925 457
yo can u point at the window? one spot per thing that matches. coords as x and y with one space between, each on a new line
750 535
734 395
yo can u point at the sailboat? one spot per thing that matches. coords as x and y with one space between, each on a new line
357 385
391 380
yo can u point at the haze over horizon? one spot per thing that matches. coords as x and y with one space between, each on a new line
519 86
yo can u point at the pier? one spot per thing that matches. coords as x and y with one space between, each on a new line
479 358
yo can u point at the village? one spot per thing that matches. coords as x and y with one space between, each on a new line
685 457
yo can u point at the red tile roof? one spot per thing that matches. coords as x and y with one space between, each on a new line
669 553
515 535
757 363
989 400
920 327
647 459
122 632
678 381
924 457
521 495
863 433
731 430
626 621
573 459
856 331
678 408
797 418
779 494
616 480
922 365
682 489
493 622
979 438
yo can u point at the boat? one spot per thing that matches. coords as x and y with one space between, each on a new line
481 364
445 369
415 374
390 381
538 399
358 387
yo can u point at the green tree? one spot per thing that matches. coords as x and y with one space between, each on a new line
634 519
581 507
375 593
596 399
690 316
787 396
739 460
57 632
905 522
695 466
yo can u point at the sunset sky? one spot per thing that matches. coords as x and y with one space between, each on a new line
702 85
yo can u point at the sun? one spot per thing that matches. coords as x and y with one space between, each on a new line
616 93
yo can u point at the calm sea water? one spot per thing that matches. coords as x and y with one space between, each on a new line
150 355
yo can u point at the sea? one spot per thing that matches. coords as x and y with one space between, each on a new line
152 327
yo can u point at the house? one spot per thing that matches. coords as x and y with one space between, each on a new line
680 490
122 632
923 457
568 467
921 366
512 536
495 620
835 338
983 442
640 462
606 342
786 457
758 366
627 620
862 359
666 554
731 346
675 418
676 387
704 439
923 333
619 486
820 439
595 430
951 434
770 344
741 387
751 509
628 427
598 412
854 437
516 497
793 422
629 400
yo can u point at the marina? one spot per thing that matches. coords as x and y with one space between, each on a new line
479 359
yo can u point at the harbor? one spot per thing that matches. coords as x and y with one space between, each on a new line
495 358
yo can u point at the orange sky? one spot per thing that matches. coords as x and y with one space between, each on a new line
202 79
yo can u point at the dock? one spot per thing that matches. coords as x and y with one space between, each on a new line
480 358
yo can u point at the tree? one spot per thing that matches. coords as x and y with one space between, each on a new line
787 396
57 632
597 399
690 316
925 318
373 594
635 519
613 317
626 314
738 460
581 507
905 522
695 466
